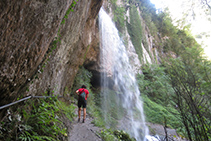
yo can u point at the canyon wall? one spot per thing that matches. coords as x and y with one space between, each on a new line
42 46
38 54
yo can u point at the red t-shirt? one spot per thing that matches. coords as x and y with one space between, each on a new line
83 90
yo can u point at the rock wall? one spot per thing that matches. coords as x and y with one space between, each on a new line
28 28
149 55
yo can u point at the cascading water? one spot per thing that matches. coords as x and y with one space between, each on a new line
121 102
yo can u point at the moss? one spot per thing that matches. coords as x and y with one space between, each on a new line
119 14
123 135
135 31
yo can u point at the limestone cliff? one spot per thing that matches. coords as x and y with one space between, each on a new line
28 64
39 54
148 47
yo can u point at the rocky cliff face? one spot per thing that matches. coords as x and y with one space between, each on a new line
149 50
28 65
39 55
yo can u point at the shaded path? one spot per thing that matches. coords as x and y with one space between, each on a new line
84 131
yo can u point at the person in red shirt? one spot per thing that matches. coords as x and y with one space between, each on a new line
82 101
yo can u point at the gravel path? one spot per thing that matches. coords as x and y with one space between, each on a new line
84 131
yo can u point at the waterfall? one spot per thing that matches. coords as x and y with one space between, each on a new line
121 101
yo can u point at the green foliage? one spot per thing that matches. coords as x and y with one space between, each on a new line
135 31
83 77
156 93
187 77
155 113
115 135
97 114
149 15
185 38
70 9
123 136
179 92
154 83
95 110
165 25
174 39
42 121
107 135
119 13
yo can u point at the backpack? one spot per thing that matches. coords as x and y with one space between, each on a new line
82 95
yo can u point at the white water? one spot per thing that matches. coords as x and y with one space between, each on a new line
118 75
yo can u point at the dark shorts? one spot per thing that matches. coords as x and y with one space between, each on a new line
81 103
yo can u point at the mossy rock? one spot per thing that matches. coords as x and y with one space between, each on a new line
123 135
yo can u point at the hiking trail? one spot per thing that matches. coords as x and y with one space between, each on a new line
83 131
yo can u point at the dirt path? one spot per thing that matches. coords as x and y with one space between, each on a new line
84 131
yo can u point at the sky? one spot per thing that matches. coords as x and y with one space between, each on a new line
199 24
